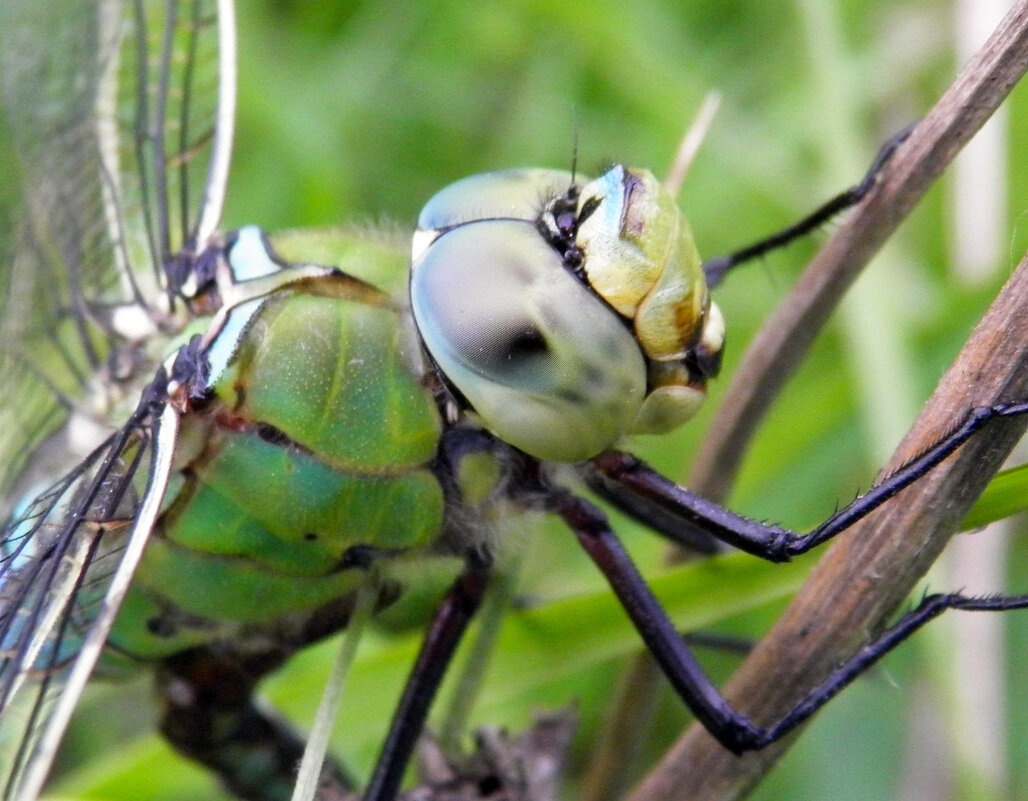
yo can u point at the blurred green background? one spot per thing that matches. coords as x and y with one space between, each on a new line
358 112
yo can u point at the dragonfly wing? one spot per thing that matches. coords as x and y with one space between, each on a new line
54 243
119 121
183 112
66 560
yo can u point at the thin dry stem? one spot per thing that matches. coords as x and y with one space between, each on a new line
690 144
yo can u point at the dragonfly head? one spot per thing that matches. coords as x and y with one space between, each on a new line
567 316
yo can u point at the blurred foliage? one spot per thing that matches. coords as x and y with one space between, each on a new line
358 112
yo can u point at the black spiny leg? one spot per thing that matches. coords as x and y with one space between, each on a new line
715 269
623 475
450 621
210 716
732 730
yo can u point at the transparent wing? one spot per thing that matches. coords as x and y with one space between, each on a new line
117 126
119 144
66 559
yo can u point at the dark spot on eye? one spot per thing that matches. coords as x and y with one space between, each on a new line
506 350
160 627
526 344
310 536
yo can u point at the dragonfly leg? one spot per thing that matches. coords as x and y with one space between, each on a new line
450 621
715 269
603 476
733 730
210 716
618 473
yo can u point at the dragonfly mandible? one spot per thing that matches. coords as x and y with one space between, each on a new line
293 431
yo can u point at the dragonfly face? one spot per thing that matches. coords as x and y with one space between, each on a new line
315 436
570 326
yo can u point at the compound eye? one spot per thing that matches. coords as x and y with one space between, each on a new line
547 366
513 194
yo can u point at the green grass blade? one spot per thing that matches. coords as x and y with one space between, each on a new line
1006 495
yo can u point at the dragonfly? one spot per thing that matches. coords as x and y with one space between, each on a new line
258 440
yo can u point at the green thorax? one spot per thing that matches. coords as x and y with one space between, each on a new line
317 441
